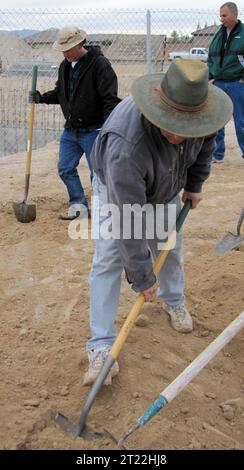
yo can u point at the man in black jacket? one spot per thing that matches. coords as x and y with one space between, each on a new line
86 90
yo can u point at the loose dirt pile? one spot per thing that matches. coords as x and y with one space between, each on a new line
44 324
12 49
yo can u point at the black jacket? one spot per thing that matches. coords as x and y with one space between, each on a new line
95 91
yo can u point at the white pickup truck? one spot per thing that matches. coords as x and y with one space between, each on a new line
194 53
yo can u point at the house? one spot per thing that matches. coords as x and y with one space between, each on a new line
203 37
42 38
120 48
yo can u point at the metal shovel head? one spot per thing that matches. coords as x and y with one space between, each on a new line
228 242
24 212
72 428
87 433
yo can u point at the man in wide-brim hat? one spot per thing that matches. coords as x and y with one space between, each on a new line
151 147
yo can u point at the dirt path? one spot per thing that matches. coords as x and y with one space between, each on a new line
44 324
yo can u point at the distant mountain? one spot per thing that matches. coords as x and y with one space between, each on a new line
22 33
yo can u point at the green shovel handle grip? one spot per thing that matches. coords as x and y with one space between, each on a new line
34 78
183 213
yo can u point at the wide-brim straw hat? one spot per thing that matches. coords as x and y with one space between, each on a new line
68 37
181 101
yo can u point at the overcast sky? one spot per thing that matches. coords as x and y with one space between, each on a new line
103 4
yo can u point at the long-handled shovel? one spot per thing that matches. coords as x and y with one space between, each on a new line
170 392
80 428
27 212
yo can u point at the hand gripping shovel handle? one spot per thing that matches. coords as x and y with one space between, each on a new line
124 332
30 133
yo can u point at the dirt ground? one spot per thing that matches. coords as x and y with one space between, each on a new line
44 324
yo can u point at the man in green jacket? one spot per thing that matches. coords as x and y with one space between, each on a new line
226 71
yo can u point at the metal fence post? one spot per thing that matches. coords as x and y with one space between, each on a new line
149 43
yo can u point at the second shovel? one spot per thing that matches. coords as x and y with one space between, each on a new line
27 212
231 241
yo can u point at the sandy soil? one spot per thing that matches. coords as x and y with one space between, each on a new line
44 324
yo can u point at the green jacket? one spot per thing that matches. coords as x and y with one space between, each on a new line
226 55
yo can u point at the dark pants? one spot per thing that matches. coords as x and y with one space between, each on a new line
73 144
235 90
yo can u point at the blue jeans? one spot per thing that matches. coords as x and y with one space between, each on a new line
73 144
235 90
105 278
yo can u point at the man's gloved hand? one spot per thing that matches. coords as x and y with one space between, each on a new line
35 96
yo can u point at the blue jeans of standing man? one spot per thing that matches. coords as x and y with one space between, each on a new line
235 90
105 277
73 143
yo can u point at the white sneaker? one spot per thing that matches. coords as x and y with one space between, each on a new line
216 160
180 318
97 357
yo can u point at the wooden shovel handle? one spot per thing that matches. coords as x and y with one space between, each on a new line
31 123
135 310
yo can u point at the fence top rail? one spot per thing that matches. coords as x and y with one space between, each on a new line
110 10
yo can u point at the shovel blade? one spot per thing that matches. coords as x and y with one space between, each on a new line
228 242
24 213
87 433
73 429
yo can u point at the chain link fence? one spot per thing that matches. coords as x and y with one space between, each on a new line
135 41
